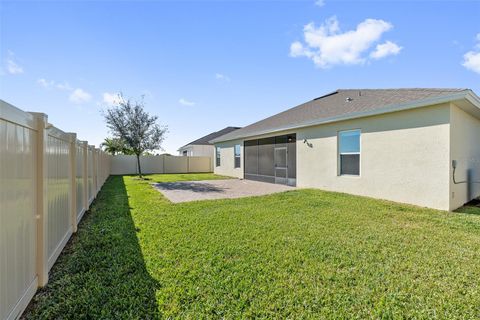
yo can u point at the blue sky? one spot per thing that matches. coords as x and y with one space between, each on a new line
206 65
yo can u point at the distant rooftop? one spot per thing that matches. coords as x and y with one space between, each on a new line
206 139
342 103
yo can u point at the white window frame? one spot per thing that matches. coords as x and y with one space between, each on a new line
339 159
239 155
218 159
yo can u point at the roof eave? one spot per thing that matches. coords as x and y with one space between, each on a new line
470 104
466 94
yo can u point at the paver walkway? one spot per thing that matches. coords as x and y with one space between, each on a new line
216 189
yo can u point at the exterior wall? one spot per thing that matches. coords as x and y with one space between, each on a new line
199 151
465 149
227 159
404 157
186 148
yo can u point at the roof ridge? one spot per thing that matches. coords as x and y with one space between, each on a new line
205 140
398 89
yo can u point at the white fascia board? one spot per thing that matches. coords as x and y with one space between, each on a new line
184 147
470 104
473 98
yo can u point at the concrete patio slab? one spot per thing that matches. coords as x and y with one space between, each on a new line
185 191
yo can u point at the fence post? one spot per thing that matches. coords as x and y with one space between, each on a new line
95 171
85 174
73 179
41 120
99 170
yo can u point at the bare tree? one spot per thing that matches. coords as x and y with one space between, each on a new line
130 122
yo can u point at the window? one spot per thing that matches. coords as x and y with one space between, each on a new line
349 152
185 153
217 157
237 156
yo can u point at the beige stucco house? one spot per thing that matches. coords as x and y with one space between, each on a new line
202 147
394 144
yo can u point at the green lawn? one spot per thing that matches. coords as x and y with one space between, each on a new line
300 254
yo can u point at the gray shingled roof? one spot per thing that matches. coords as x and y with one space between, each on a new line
339 104
206 139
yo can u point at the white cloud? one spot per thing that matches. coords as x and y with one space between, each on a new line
297 49
185 102
45 83
327 46
385 49
52 84
471 59
80 96
112 99
320 3
12 66
77 95
63 86
222 77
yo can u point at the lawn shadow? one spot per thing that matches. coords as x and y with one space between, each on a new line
202 187
101 273
472 207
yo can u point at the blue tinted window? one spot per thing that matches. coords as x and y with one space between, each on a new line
237 156
237 150
349 141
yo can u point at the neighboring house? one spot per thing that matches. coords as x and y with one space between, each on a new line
395 144
202 147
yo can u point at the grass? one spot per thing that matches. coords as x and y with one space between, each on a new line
299 254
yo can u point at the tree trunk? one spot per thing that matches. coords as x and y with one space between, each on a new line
139 167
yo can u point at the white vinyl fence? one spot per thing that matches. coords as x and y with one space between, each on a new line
123 164
48 180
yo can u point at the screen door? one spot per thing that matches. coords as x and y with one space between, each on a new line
281 165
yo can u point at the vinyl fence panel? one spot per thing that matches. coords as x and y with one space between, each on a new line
47 181
199 164
18 279
126 164
123 164
175 164
58 193
79 180
90 169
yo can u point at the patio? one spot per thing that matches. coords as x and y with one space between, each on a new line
185 191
